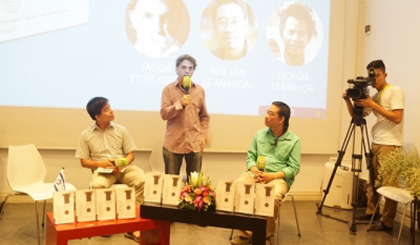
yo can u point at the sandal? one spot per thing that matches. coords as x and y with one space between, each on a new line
130 235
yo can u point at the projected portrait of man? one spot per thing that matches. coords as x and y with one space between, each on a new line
297 29
230 28
157 28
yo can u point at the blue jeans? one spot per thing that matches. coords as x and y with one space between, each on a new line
173 162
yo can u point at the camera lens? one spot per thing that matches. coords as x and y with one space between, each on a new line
372 72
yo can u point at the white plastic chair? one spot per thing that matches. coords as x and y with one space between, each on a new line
26 172
296 216
398 195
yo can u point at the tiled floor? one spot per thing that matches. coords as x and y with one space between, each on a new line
17 227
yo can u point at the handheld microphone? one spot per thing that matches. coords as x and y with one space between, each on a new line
261 163
186 82
121 162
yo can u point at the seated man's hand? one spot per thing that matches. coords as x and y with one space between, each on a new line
116 170
265 177
106 164
254 170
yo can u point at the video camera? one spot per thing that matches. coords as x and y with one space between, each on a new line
360 84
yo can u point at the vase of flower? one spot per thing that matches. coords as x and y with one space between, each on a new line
198 194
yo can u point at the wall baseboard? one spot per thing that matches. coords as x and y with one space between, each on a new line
306 195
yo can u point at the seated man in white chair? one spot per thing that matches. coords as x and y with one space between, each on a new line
102 143
281 150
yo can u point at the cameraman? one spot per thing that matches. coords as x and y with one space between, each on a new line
387 133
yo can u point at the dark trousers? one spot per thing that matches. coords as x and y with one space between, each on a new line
173 162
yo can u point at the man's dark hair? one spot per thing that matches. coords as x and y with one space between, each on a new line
376 64
95 105
185 57
284 111
301 12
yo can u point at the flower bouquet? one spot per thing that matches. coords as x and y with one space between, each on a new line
198 194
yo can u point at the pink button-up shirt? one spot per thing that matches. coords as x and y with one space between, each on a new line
185 126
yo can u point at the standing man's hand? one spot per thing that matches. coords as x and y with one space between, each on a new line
344 95
367 103
185 101
202 143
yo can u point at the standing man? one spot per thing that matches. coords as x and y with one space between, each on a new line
388 134
281 150
187 120
102 143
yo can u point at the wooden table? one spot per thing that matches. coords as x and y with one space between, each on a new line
256 224
60 234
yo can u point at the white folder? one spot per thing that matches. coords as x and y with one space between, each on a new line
153 187
125 201
85 205
225 193
105 204
172 186
244 197
264 199
63 207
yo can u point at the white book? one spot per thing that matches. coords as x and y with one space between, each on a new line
105 204
153 187
172 186
244 197
85 205
126 202
105 170
63 207
225 193
264 199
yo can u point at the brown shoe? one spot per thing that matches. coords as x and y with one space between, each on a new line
134 235
380 227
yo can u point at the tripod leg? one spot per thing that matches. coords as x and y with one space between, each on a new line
341 154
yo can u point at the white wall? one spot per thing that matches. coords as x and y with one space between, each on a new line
395 38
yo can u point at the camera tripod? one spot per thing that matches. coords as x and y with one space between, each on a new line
356 163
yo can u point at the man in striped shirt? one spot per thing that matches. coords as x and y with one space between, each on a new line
187 120
102 143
